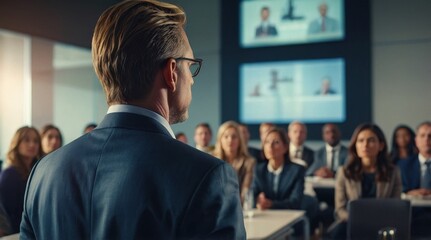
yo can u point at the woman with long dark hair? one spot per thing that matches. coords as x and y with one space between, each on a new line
403 144
51 138
369 173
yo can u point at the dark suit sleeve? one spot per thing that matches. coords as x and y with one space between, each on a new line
294 198
215 210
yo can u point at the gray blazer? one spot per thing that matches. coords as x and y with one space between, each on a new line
320 159
347 190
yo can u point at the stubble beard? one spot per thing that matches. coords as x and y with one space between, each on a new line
178 114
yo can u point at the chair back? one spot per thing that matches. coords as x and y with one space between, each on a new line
368 216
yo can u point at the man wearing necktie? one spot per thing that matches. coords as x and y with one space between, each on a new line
328 158
323 23
416 178
299 153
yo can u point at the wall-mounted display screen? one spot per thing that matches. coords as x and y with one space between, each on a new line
281 22
312 91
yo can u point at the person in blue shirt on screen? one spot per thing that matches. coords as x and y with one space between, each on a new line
323 24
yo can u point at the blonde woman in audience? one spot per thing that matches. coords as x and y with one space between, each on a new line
230 147
51 138
369 173
24 151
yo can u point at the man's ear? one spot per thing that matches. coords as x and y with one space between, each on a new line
170 74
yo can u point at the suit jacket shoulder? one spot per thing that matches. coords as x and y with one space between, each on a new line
129 179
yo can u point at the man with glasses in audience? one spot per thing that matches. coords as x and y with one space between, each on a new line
129 178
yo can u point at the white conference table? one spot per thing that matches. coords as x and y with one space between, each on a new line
11 237
318 182
417 201
275 224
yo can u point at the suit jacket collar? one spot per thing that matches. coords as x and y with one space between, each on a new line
132 121
383 189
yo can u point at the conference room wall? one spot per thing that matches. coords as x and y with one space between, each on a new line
401 50
400 47
401 53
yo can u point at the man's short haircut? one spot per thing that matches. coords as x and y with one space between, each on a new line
289 128
204 125
426 123
132 41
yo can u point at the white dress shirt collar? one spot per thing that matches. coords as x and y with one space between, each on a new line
141 111
422 159
329 148
275 172
293 148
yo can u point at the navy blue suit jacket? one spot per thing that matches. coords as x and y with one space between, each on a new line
308 155
129 179
410 173
290 185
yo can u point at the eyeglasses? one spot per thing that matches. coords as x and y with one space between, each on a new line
195 67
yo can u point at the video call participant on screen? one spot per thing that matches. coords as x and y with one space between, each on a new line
328 158
265 28
323 23
369 173
130 178
203 136
325 87
416 176
299 153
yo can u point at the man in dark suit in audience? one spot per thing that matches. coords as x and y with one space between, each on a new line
416 178
129 178
328 158
326 161
299 153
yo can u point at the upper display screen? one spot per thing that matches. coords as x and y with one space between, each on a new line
281 22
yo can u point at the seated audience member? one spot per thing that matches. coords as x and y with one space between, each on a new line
51 138
403 145
24 150
263 130
89 127
299 153
368 173
256 153
416 180
278 183
230 147
416 176
328 158
203 135
4 223
181 137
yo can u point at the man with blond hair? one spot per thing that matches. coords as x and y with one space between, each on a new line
129 178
